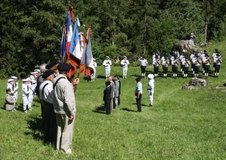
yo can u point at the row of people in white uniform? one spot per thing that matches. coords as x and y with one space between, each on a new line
195 61
28 91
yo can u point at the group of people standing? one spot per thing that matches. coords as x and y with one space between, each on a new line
198 61
112 92
56 91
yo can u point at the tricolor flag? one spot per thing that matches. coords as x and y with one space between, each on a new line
87 57
66 37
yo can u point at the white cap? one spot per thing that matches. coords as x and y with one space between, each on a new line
26 80
34 72
13 77
150 76
107 57
37 70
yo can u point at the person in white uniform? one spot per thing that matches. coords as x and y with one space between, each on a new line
93 75
151 87
26 87
143 65
124 63
107 65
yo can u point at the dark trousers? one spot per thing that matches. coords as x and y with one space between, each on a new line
156 69
216 68
143 69
165 69
107 105
138 100
50 127
206 68
174 69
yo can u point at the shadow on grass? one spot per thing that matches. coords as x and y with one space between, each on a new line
136 75
35 125
100 109
128 110
141 104
101 77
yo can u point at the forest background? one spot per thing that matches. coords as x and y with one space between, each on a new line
31 30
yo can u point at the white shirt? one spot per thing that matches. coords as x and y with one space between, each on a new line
165 61
47 93
124 63
107 63
139 88
143 62
26 88
151 85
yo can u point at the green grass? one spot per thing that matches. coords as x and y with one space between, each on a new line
182 124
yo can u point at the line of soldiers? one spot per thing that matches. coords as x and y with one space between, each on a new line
197 61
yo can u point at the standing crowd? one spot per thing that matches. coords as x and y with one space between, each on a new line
197 62
56 92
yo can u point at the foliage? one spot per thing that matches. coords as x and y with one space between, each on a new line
31 30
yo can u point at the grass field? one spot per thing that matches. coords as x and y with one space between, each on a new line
182 124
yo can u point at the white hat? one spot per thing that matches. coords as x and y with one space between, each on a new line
94 59
107 57
34 72
13 77
42 68
26 80
37 70
150 76
124 56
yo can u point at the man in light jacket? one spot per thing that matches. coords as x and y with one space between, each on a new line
64 107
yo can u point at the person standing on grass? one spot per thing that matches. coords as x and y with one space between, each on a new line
165 64
156 63
116 91
151 87
26 87
143 65
206 63
107 65
15 87
65 107
93 75
124 63
46 98
217 60
10 101
138 93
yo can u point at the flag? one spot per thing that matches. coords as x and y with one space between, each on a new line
66 37
68 32
75 40
87 57
63 44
